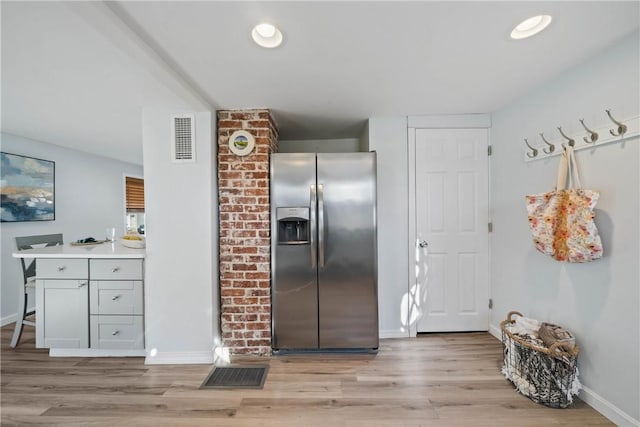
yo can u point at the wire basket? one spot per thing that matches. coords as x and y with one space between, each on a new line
548 376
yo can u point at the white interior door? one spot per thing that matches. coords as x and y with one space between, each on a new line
452 208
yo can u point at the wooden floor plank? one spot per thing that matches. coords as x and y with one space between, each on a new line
435 380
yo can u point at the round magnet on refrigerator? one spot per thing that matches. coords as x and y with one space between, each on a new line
241 142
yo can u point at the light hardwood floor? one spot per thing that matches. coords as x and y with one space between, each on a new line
434 380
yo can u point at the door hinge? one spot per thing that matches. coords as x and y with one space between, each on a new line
489 150
490 226
490 303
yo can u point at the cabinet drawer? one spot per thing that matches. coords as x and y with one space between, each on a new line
115 297
117 332
62 268
116 269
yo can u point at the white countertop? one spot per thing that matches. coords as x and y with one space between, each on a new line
103 250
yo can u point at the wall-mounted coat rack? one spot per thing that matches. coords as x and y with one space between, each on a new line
543 146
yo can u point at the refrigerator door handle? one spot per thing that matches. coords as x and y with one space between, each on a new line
312 220
320 225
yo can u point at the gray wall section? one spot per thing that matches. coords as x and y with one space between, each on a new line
89 198
363 143
597 301
181 297
349 145
388 138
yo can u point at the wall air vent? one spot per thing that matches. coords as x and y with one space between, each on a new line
183 147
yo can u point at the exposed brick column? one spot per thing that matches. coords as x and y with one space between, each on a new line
245 245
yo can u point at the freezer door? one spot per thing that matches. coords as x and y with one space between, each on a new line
294 274
347 269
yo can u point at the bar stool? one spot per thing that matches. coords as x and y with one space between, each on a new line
29 278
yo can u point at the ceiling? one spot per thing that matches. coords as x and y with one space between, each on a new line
77 74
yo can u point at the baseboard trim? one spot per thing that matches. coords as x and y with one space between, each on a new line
180 358
12 317
8 319
495 331
591 398
606 408
94 352
393 333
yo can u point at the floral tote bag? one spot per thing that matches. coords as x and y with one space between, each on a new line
562 221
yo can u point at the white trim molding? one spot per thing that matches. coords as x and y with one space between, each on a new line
7 320
450 121
411 241
495 331
94 352
606 408
393 333
180 358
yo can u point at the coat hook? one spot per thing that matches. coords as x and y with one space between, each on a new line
593 136
622 128
535 152
570 141
551 146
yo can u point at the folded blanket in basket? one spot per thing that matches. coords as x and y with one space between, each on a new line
526 326
551 334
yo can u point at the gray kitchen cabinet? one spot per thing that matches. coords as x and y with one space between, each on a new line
116 304
90 304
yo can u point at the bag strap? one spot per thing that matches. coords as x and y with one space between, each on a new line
561 180
574 174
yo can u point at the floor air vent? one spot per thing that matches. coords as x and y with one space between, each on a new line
235 376
183 134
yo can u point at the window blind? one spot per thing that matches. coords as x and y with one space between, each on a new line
134 194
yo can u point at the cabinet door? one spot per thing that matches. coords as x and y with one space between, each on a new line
63 314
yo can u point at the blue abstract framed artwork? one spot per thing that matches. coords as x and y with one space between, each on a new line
27 189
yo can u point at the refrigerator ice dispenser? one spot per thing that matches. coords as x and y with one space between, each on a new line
293 226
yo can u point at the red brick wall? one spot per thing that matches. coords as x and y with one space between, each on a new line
245 245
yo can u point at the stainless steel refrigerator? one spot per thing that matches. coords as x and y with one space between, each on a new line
324 269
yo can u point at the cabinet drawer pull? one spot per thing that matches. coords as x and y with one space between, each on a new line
115 297
82 284
62 268
115 269
114 333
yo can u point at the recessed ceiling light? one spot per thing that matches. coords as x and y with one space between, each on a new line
266 35
530 27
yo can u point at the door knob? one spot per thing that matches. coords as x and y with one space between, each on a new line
423 244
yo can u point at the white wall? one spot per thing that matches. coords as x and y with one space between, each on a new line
597 301
388 137
347 145
89 198
181 224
